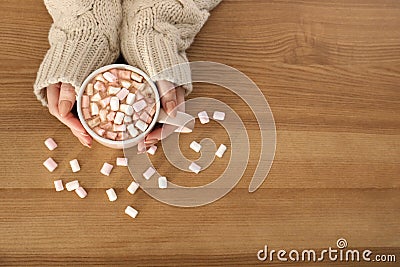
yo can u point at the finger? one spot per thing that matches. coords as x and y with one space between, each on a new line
53 94
168 97
159 134
67 99
86 141
180 98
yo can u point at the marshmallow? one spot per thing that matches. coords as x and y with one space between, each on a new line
58 185
162 182
106 169
112 196
152 150
203 117
99 86
145 117
194 168
114 103
71 186
89 89
94 108
133 187
95 97
138 106
221 150
139 96
141 125
127 109
109 77
119 128
131 212
135 116
86 113
99 131
132 130
81 192
93 123
112 90
99 77
122 94
148 173
218 115
111 116
103 115
151 109
104 102
119 117
139 86
106 126
50 164
85 101
125 83
75 165
136 77
195 146
50 144
127 119
130 99
111 135
122 162
124 74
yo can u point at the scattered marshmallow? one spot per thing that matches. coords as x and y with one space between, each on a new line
81 192
152 150
132 130
50 164
106 169
195 146
162 182
114 103
131 212
50 144
75 165
203 117
194 168
71 186
148 173
122 162
133 187
58 185
221 150
112 196
219 116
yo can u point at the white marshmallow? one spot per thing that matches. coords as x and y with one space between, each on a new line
106 169
195 146
75 165
94 109
133 187
127 109
127 119
58 185
136 77
141 125
132 130
152 150
219 116
81 192
125 83
119 117
138 106
131 212
148 173
109 77
130 99
103 115
122 162
114 103
119 128
203 117
71 186
113 90
50 164
162 182
112 196
95 97
50 144
194 168
221 150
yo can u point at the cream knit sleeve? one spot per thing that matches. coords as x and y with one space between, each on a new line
156 33
83 37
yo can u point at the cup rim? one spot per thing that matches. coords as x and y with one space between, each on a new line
124 143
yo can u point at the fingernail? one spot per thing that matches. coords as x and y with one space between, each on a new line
84 134
151 141
64 107
170 106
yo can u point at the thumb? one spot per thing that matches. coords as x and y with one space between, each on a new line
67 99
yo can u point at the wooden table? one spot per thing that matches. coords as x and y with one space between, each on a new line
330 72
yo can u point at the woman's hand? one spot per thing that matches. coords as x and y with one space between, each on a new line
172 100
61 99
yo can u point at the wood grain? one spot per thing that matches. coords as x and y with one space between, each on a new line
330 71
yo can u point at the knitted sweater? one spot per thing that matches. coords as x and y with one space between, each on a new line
85 35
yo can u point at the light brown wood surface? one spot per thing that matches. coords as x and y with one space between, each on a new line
330 71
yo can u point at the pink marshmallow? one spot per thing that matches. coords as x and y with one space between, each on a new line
58 185
122 94
99 131
111 135
85 101
124 74
138 106
104 102
99 86
50 164
111 116
86 113
106 169
109 77
50 144
119 128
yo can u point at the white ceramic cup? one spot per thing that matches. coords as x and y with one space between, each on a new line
182 120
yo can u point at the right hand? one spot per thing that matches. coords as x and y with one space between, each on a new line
61 99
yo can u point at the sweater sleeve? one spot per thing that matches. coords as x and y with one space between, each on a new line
156 33
83 37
